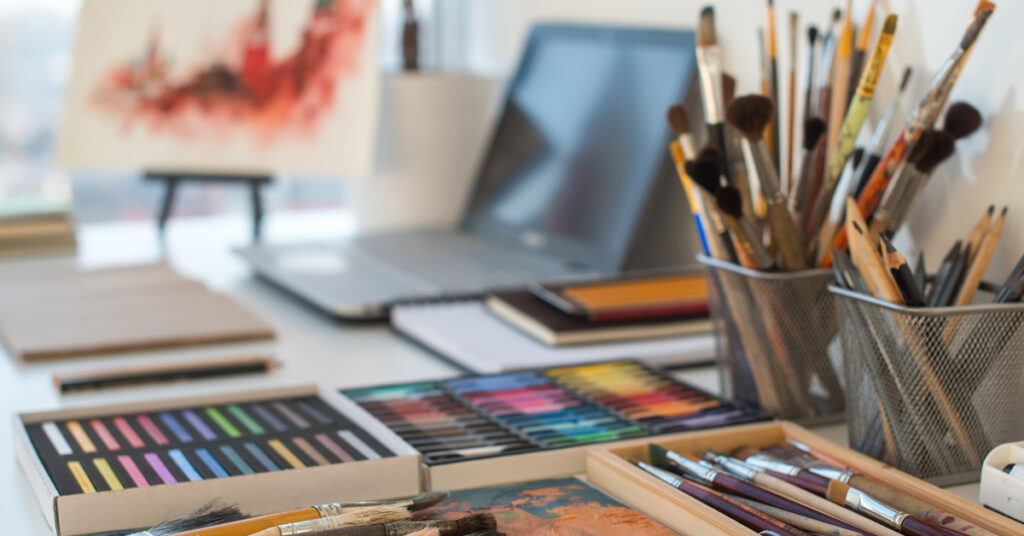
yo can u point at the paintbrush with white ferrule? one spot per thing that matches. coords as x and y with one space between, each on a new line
750 115
709 67
772 82
794 27
880 136
850 128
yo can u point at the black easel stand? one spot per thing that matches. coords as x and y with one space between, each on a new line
171 180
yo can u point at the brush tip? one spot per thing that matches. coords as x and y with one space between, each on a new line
812 34
924 143
837 14
677 119
730 201
478 522
991 209
750 114
906 77
890 24
658 454
962 120
941 147
429 498
1005 209
706 29
814 127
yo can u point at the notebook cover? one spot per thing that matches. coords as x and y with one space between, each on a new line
536 317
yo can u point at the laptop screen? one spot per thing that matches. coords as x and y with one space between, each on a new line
581 140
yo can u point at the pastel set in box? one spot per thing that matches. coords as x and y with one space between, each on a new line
105 468
499 428
609 468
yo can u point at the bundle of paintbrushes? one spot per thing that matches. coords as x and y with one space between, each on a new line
794 490
927 368
783 211
392 517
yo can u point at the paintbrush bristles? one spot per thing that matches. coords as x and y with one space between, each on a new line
706 29
677 119
813 129
962 120
974 30
750 115
940 148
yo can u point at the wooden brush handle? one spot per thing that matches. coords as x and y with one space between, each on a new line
915 506
822 505
744 514
245 527
915 527
731 484
785 235
806 485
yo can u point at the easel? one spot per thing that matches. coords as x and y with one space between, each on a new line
172 179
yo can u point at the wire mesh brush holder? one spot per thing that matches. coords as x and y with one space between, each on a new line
931 390
772 335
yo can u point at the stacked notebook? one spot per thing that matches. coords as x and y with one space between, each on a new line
32 224
659 321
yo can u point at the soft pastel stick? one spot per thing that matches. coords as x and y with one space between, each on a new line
262 457
77 432
179 459
60 444
133 471
150 428
104 434
283 452
176 427
107 473
317 415
222 421
308 449
197 422
245 419
128 433
333 448
236 459
215 467
358 444
268 417
81 478
296 419
158 466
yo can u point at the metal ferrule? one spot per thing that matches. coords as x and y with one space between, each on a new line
736 467
662 474
942 84
330 509
691 467
313 525
828 51
763 461
868 505
709 66
687 146
832 473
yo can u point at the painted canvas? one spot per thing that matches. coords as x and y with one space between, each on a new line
244 86
551 507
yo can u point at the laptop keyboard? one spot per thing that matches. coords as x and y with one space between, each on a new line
457 262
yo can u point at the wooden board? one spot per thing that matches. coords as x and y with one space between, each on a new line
609 469
49 310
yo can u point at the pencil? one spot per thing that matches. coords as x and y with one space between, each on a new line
190 370
981 261
901 274
979 230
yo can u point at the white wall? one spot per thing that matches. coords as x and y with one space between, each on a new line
986 167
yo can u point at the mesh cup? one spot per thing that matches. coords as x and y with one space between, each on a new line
932 390
773 333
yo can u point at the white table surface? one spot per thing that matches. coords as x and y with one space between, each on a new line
311 347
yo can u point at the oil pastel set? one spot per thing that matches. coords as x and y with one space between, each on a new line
535 410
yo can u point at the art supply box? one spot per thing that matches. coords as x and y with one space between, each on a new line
528 414
1001 491
120 467
609 469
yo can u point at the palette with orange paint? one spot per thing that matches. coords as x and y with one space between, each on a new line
551 506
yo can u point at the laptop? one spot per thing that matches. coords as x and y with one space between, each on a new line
562 190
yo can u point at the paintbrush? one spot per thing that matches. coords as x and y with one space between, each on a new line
860 49
736 166
782 487
478 522
900 195
743 514
743 231
245 527
840 80
981 260
961 120
922 118
881 135
798 521
206 516
682 150
897 266
703 472
787 177
706 172
814 127
709 67
772 77
850 128
824 104
812 41
369 515
750 115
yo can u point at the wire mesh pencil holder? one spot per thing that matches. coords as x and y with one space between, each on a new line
772 336
932 390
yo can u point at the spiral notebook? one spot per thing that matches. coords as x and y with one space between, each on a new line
469 335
